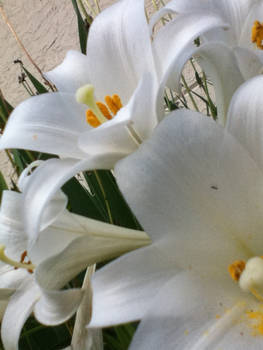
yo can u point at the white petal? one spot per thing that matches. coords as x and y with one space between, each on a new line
99 242
209 192
123 289
18 310
191 313
249 62
219 63
47 179
244 118
47 123
173 39
181 6
254 11
56 307
114 136
119 49
71 74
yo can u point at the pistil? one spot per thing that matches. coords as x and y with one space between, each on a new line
98 112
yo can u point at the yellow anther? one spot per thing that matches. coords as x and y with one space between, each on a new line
28 266
104 110
236 268
257 34
91 119
111 104
117 100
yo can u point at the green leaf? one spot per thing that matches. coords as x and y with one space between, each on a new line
83 28
81 202
3 185
38 86
105 190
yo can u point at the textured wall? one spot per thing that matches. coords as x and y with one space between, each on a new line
48 29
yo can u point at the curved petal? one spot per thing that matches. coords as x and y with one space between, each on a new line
253 12
56 307
71 74
209 192
191 313
99 242
122 290
116 41
48 123
181 7
173 39
47 179
249 62
18 310
220 63
244 119
115 136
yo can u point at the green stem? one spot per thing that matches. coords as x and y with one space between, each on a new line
190 93
104 196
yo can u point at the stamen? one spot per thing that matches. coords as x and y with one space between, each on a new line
91 119
85 95
257 34
111 104
236 268
28 266
117 101
104 110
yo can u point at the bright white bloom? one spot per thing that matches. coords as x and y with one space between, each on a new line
123 66
67 244
228 56
198 191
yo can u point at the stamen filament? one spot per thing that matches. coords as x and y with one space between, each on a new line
12 262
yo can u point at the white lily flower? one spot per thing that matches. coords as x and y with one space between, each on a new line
198 191
245 32
67 244
235 52
121 68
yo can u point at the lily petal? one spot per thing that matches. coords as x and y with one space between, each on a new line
122 290
47 123
219 62
99 242
244 119
206 168
114 137
18 310
47 179
119 46
189 313
71 74
55 307
249 62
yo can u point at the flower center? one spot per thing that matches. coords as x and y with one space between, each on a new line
98 112
249 275
25 265
257 34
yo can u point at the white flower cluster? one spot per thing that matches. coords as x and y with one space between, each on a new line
194 184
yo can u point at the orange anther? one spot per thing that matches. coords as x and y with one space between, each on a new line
257 34
104 110
23 256
91 119
111 104
236 268
117 101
